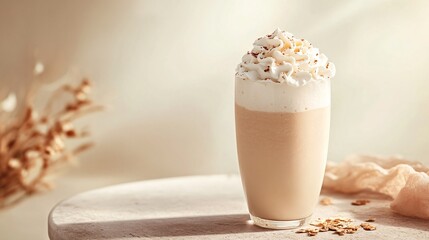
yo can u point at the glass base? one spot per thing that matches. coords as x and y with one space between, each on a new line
274 224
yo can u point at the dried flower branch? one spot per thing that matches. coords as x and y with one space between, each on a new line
33 145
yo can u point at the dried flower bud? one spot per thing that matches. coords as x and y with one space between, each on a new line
14 163
39 68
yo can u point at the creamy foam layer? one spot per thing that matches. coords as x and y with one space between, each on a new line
268 96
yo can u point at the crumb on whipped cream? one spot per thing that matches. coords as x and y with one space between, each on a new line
280 57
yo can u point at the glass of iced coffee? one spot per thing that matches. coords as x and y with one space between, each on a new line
282 114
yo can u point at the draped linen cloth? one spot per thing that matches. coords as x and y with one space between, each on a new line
405 182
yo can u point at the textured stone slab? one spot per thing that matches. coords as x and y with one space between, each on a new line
202 207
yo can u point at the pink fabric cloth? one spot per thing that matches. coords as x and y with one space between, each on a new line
406 182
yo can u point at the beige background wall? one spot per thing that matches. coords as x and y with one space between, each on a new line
165 70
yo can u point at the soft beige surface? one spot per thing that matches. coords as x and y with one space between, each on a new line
202 207
406 182
29 220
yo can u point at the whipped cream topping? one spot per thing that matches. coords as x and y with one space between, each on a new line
280 57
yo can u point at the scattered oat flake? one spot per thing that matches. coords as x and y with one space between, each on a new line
368 227
312 231
360 202
370 220
326 201
340 232
339 225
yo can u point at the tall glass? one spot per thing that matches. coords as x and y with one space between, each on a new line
282 143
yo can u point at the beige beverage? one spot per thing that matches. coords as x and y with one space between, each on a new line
282 160
282 116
